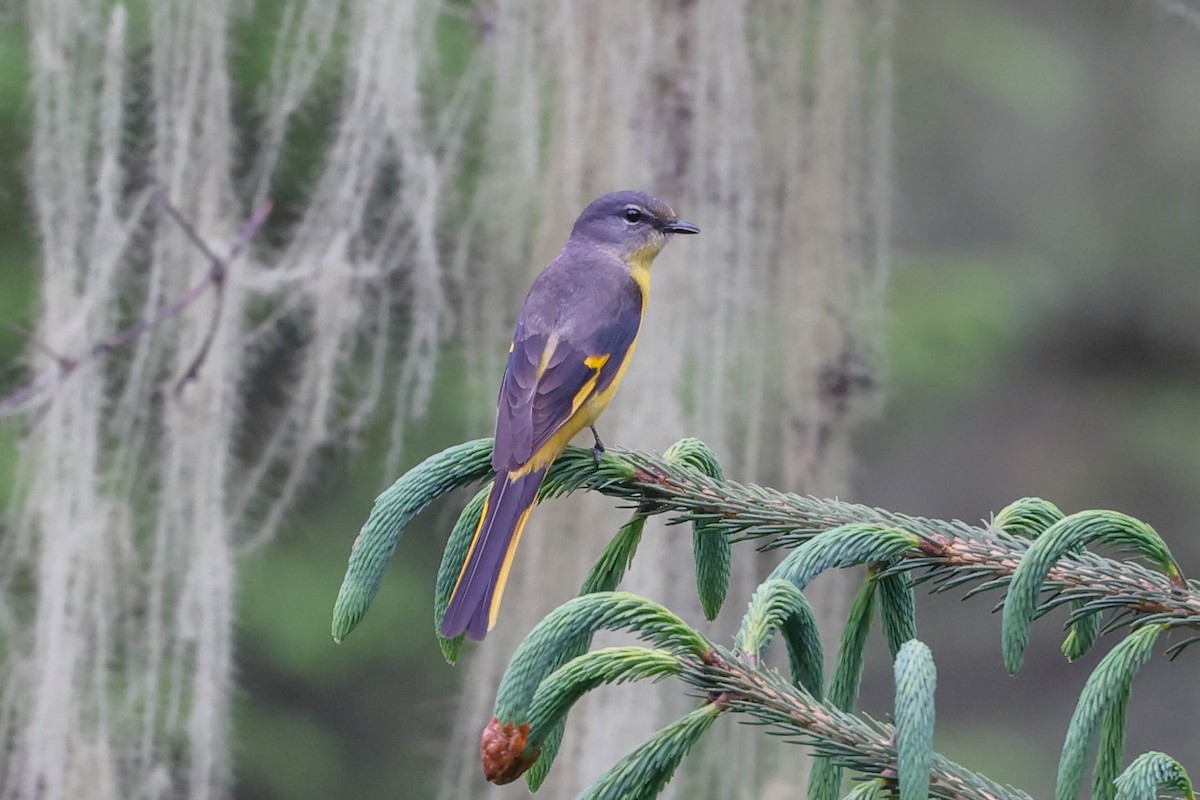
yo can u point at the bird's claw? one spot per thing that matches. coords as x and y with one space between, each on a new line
598 447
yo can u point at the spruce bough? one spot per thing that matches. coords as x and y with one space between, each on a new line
1030 549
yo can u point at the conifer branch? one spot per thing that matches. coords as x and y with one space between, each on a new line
949 553
849 741
1030 547
1150 772
537 691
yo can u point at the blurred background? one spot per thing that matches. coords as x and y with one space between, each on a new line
1042 326
1042 339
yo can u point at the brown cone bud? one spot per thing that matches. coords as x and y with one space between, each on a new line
502 749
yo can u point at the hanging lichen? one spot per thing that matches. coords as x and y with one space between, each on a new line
766 124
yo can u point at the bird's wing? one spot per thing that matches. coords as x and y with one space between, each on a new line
550 377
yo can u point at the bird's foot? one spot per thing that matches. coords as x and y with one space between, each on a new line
598 447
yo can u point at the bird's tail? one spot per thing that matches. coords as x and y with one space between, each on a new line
475 601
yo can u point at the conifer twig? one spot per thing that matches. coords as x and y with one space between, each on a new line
538 689
952 552
853 742
950 549
1030 548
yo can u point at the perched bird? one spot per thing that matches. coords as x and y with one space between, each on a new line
573 340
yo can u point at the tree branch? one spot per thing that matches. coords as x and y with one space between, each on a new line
951 549
851 741
954 553
64 366
1031 548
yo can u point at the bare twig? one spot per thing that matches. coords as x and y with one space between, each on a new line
186 226
218 271
17 400
214 323
35 342
217 275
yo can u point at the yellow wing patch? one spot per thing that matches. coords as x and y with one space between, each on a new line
594 363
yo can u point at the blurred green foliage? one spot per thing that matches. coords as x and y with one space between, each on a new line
958 320
1004 59
17 244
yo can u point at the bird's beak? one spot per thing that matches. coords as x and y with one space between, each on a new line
680 226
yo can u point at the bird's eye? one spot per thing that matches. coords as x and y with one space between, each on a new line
633 214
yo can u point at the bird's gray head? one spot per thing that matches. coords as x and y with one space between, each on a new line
634 225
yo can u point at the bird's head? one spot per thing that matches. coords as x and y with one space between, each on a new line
633 225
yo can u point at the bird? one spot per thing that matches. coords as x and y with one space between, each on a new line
571 346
